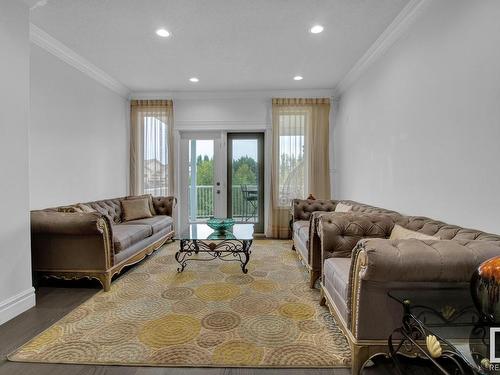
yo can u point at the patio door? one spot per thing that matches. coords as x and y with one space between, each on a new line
245 178
202 193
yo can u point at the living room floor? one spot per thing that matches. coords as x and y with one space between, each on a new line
53 302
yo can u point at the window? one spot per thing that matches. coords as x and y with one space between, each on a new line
155 164
292 163
151 167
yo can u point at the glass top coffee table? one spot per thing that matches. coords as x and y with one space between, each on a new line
199 242
443 326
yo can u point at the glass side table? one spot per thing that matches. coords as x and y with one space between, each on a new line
444 327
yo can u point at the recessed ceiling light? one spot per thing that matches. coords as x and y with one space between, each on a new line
316 29
163 33
194 79
298 78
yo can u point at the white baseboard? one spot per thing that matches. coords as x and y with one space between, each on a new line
15 305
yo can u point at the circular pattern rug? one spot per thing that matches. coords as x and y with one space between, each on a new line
210 315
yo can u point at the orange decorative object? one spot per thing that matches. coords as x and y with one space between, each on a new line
485 289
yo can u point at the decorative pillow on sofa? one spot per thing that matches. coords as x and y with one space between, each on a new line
71 209
150 201
401 233
133 209
342 207
85 208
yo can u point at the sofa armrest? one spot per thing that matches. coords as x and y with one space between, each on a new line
340 232
422 261
303 208
68 223
315 238
379 266
71 241
164 205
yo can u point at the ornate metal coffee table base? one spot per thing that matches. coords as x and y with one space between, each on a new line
227 250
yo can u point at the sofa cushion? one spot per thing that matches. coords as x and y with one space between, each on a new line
127 235
400 233
133 209
149 197
336 273
157 223
342 207
301 230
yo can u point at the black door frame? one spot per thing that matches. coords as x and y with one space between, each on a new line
259 226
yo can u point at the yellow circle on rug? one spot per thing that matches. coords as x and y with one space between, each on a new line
264 286
174 277
169 330
235 268
217 291
238 353
297 311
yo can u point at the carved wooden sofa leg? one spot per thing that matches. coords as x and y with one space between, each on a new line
313 277
360 355
105 280
322 301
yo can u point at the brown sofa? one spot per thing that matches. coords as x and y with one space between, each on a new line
305 216
360 265
98 245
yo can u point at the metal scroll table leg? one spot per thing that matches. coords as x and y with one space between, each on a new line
180 256
246 255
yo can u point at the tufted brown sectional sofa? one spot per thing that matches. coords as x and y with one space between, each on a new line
72 245
306 214
360 265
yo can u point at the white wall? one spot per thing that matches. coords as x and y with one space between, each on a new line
78 135
16 292
419 132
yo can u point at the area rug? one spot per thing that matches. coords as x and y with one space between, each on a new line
209 315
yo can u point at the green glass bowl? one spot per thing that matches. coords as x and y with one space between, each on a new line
220 225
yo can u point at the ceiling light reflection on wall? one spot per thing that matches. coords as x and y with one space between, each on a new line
163 33
298 78
316 29
194 79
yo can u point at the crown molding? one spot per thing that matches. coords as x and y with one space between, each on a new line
396 30
235 94
66 54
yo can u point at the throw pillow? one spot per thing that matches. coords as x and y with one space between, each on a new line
133 209
85 208
150 201
401 233
342 207
70 209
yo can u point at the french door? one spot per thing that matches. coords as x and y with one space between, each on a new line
245 178
221 175
202 177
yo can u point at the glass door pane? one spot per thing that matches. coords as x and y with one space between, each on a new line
245 178
201 179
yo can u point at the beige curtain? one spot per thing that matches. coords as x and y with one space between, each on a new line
300 161
151 147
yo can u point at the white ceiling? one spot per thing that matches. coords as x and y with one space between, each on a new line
227 44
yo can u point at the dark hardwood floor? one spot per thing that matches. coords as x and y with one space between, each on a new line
53 302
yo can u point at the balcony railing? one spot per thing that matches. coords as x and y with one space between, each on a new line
242 209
